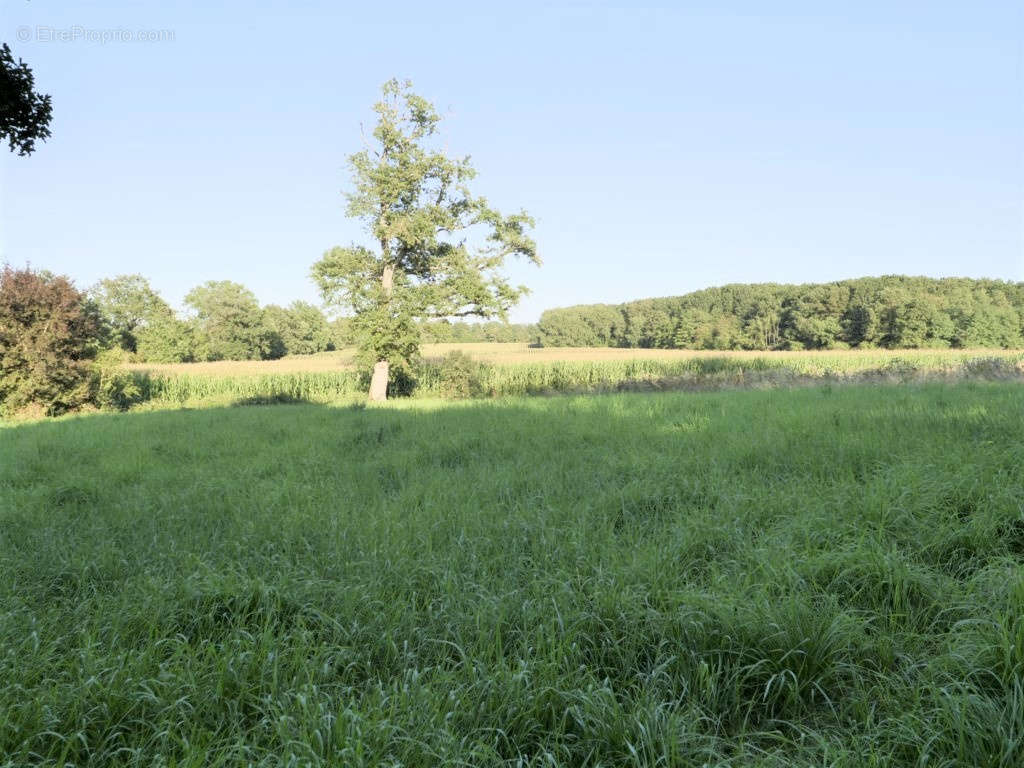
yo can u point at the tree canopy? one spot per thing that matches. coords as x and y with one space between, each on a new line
226 321
437 250
49 334
24 114
128 304
298 329
894 311
229 322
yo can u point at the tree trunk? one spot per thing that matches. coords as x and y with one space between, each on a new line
379 382
381 369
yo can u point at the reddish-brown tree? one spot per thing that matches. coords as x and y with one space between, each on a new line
49 334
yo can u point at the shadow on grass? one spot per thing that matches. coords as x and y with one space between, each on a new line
279 398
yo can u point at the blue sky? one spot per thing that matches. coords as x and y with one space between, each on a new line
662 147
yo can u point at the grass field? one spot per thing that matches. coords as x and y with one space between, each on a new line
809 577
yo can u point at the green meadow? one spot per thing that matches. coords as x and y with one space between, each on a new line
826 576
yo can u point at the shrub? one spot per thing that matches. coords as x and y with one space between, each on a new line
460 376
990 368
114 386
49 334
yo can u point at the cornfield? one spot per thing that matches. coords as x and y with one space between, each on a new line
473 376
186 388
511 353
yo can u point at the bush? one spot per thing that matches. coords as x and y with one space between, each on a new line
113 386
49 334
991 368
460 376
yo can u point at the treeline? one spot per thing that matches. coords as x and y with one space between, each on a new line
226 322
62 348
445 331
895 312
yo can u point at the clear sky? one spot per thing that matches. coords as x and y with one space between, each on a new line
662 147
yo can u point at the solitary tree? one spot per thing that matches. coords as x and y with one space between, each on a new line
24 114
438 250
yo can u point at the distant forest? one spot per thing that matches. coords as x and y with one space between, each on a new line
226 322
892 311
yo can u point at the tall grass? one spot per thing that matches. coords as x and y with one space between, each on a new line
184 388
462 376
508 353
806 577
